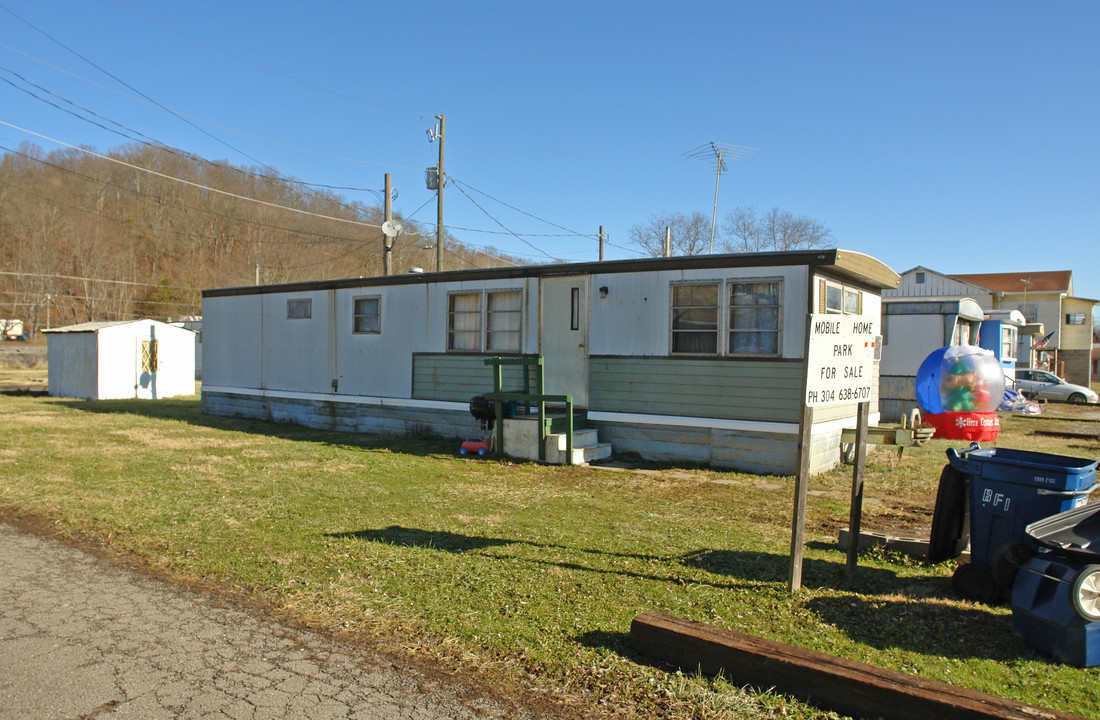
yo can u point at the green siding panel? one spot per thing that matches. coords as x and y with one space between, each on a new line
766 391
458 378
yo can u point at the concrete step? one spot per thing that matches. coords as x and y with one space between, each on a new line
581 455
581 438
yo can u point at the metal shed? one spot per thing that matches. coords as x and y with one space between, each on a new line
122 359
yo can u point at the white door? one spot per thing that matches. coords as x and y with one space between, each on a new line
563 336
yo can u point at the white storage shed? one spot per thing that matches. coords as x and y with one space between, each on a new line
123 359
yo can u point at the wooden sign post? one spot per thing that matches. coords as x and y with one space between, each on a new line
840 353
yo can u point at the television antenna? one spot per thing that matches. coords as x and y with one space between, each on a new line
718 153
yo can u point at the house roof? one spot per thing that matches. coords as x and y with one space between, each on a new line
1018 282
847 264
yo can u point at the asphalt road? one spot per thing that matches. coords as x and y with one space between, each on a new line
83 638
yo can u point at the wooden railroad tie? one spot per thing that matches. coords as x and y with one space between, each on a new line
844 686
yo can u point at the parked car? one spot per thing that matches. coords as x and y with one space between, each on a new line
1042 385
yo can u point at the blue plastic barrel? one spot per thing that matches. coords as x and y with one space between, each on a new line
1010 489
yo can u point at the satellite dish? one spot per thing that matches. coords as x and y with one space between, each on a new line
391 228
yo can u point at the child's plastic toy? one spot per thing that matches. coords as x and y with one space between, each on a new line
959 389
478 445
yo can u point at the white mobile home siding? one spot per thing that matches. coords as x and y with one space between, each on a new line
319 373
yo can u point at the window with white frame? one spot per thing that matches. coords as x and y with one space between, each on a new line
695 318
746 312
504 321
1075 318
498 312
464 322
299 309
754 317
839 299
367 313
1008 342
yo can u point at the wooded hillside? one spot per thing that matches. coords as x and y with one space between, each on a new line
86 238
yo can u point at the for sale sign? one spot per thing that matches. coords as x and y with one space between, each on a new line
840 359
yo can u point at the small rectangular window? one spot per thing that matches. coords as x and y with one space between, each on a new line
833 299
1008 343
754 317
695 319
851 302
1075 318
920 278
368 315
464 322
1030 311
504 321
574 308
301 309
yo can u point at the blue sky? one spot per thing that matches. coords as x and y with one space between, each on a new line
962 136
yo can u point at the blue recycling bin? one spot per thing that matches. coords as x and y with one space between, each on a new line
1009 490
1043 612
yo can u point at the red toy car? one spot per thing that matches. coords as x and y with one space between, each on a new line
481 446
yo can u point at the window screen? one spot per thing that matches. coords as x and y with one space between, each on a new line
464 322
695 319
301 309
754 317
368 316
504 323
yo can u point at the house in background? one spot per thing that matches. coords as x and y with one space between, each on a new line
1047 298
117 360
1057 331
691 359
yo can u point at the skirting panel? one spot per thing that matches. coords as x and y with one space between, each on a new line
340 416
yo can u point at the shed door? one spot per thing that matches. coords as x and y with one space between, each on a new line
563 336
147 366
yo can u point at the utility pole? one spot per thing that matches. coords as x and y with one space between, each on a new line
668 241
601 243
387 243
439 203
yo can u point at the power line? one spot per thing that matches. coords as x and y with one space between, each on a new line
275 71
131 87
153 142
245 221
572 233
498 222
98 280
188 182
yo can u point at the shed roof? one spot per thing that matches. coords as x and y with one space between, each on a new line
96 326
1013 282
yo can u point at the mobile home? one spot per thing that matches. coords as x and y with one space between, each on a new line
691 359
911 329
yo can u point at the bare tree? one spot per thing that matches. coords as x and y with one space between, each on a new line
690 234
745 231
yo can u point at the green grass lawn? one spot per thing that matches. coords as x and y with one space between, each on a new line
527 572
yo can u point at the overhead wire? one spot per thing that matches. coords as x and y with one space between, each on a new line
189 182
277 177
458 184
498 222
266 68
